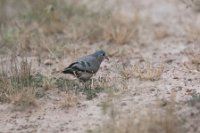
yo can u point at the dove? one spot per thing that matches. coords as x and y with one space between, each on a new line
85 67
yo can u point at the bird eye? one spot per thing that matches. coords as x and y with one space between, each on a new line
103 54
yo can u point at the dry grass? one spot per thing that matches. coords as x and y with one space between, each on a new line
194 4
193 54
148 71
195 100
48 83
160 32
91 90
126 73
51 25
145 122
193 32
69 99
121 29
87 88
18 85
24 98
143 71
6 90
148 120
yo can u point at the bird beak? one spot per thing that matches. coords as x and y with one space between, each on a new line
106 57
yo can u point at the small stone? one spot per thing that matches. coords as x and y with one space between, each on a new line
74 129
169 61
123 104
192 114
90 114
163 103
152 89
189 90
48 62
14 117
178 88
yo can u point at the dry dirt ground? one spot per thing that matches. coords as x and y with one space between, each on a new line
162 44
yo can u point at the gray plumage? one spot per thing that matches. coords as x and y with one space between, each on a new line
85 67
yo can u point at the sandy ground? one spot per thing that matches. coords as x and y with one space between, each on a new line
176 78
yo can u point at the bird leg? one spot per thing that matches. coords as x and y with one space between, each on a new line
74 73
92 83
89 84
84 84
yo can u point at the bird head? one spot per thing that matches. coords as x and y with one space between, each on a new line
100 55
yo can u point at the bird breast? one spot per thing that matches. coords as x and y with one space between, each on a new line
85 75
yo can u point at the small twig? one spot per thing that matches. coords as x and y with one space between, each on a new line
50 51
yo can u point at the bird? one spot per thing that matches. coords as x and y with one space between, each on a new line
85 67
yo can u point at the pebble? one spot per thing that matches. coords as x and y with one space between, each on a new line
48 62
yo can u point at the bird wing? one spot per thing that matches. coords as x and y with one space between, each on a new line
85 64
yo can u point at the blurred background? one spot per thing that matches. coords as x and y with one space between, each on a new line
41 26
151 80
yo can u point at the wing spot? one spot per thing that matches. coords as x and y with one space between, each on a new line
88 64
83 63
